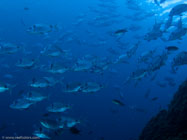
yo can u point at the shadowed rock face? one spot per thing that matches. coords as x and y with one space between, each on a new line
169 124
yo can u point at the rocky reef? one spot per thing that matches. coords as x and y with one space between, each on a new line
169 124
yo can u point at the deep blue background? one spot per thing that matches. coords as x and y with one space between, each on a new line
93 109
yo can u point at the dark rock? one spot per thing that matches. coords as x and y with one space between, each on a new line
169 124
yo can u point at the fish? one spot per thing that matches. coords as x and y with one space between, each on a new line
73 87
91 87
42 29
9 48
43 82
175 11
178 10
146 56
58 107
154 98
26 64
57 69
123 58
54 50
177 34
132 50
41 134
139 74
172 48
155 33
158 61
69 122
52 124
118 102
82 66
26 8
120 32
21 104
34 96
100 66
4 88
39 84
179 60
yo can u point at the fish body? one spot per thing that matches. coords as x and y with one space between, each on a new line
51 124
120 32
177 34
138 74
44 82
54 50
123 58
175 11
172 48
82 65
35 97
146 56
73 87
118 102
3 89
21 104
132 50
27 64
158 62
69 122
154 98
180 59
39 85
9 48
57 69
41 135
91 87
58 107
178 10
41 29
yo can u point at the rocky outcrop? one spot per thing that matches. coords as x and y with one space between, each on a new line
169 124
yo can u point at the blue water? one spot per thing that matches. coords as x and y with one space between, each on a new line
87 27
